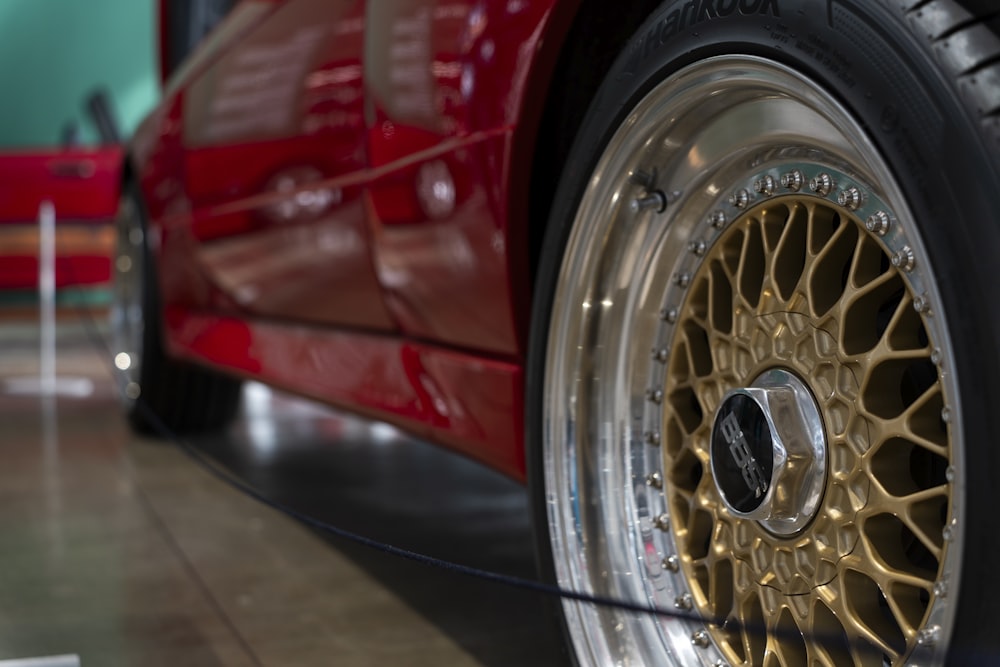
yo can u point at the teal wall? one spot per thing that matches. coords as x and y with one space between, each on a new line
53 53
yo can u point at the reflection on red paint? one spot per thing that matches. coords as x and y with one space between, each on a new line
459 399
330 183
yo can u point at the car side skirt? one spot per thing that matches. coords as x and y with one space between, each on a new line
466 402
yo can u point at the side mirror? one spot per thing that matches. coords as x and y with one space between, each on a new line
99 107
182 26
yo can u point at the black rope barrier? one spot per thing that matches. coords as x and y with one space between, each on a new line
728 625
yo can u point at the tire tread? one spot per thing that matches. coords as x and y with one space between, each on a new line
964 38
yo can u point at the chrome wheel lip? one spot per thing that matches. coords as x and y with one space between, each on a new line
126 313
796 124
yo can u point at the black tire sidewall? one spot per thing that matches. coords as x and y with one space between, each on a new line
150 354
887 76
177 397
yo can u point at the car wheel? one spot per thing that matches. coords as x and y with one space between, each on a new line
161 396
763 359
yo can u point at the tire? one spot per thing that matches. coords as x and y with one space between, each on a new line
161 395
762 359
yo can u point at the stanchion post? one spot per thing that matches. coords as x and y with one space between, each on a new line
47 296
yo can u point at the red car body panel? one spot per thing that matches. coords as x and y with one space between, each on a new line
465 401
83 186
336 219
81 183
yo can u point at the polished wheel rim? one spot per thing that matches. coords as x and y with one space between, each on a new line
126 309
741 237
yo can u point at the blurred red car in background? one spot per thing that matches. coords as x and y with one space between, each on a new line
83 187
713 276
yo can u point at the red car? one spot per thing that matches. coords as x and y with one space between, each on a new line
82 186
712 276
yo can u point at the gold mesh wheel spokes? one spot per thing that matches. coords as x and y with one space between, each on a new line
740 235
800 283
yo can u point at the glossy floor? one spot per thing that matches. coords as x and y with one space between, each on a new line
121 551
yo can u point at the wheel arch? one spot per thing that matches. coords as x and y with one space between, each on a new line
585 32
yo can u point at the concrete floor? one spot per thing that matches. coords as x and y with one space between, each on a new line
121 551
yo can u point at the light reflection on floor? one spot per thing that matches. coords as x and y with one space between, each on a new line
119 550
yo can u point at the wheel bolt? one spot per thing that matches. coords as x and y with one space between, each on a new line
662 522
655 480
718 219
654 396
879 223
850 198
685 602
948 532
671 563
661 355
929 636
904 260
700 639
698 248
765 186
740 198
652 438
921 304
682 280
792 180
822 184
670 315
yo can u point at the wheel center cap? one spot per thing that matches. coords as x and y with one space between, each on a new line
768 452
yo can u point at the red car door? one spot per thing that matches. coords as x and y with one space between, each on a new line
442 110
275 163
82 185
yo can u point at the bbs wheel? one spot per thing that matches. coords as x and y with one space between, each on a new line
161 395
762 363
